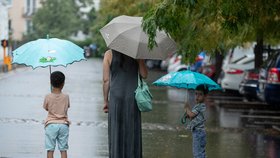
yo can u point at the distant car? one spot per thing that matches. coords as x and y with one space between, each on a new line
248 86
209 70
235 63
209 67
175 63
153 64
234 72
164 63
268 88
87 53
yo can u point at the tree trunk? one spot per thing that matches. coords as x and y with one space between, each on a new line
219 57
258 50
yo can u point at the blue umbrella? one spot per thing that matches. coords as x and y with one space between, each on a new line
48 52
186 79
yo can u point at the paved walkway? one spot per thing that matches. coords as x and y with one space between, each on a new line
22 131
21 115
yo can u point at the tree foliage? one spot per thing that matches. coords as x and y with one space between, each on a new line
252 19
58 18
192 24
214 24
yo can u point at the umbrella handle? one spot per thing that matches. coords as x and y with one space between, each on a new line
50 77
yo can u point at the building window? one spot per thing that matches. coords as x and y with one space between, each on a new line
28 7
29 26
9 2
34 6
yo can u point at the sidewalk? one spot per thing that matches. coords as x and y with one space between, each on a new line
21 97
22 129
1 63
4 70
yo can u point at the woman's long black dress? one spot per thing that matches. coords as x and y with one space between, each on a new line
125 137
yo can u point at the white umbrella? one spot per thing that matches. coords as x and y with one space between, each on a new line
125 34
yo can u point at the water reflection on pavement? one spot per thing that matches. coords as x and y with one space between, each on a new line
226 135
22 131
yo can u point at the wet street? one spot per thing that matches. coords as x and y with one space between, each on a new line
22 129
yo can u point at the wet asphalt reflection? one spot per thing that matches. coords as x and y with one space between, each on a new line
22 115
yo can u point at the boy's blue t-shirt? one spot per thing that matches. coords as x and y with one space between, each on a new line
198 121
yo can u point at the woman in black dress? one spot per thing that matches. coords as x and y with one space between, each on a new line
120 80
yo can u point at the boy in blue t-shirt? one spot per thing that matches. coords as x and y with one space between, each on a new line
196 114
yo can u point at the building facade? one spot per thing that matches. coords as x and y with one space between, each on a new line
4 25
20 17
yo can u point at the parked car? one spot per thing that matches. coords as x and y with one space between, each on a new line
175 63
268 88
234 72
248 85
235 63
153 64
209 70
87 52
159 64
209 67
164 63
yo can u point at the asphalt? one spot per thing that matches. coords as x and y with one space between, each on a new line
22 115
22 129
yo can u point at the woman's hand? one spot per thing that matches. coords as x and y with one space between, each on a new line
105 108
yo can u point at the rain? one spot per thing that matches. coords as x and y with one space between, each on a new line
219 40
22 117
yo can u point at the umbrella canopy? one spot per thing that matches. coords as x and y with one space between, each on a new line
125 34
48 52
186 79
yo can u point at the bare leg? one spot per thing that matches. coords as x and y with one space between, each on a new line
50 154
63 154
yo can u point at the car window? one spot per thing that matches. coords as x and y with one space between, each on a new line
239 59
245 60
249 61
272 60
278 61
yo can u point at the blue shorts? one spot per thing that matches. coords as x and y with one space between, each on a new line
56 133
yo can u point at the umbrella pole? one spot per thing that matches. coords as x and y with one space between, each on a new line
50 77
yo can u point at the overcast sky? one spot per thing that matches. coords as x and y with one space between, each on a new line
96 4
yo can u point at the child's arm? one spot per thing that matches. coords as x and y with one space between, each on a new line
45 105
68 101
188 111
